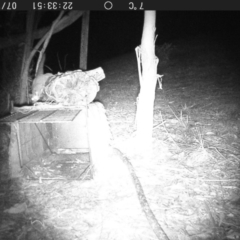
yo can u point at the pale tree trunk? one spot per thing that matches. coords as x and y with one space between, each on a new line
148 79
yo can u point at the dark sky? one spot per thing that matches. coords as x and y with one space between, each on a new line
119 32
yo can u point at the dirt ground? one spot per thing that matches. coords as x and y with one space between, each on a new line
192 179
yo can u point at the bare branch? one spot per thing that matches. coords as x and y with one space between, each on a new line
67 20
46 39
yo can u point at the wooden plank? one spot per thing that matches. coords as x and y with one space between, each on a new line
42 116
15 117
36 117
62 116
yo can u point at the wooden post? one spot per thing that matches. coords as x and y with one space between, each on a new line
84 41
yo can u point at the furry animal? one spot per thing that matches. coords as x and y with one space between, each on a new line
38 86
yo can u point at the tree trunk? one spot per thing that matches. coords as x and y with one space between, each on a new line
11 58
27 49
144 115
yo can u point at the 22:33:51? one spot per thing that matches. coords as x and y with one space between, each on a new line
52 6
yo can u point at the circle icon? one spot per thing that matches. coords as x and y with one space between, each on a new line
108 5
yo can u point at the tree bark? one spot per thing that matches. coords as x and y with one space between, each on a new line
144 115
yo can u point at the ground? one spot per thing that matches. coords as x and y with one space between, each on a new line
192 179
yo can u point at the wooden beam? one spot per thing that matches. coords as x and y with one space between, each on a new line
84 41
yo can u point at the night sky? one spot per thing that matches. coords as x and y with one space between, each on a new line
113 33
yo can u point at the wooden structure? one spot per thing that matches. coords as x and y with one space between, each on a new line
39 134
84 41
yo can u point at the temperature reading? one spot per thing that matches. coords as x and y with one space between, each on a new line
132 7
